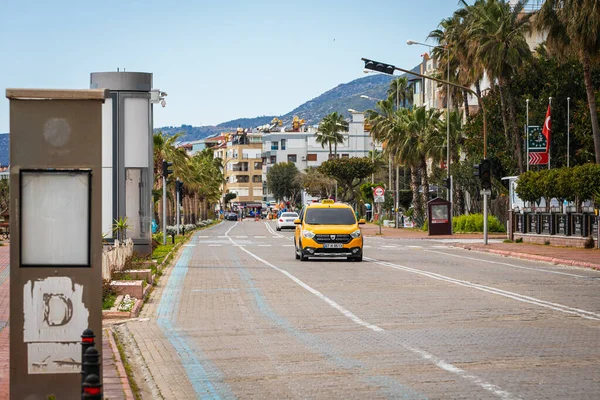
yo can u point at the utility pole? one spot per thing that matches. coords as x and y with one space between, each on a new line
165 173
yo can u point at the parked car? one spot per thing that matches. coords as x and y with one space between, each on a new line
231 216
286 220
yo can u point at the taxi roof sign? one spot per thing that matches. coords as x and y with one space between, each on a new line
327 201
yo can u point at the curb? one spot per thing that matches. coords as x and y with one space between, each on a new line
119 364
534 257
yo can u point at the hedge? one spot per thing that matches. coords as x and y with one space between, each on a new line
474 223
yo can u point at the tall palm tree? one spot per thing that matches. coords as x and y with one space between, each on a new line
399 91
330 131
498 41
572 27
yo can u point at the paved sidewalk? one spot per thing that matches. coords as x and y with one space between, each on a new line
573 256
116 386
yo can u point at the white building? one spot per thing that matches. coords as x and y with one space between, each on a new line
302 148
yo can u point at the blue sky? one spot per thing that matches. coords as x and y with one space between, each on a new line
216 60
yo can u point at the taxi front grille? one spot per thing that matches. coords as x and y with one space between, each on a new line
333 238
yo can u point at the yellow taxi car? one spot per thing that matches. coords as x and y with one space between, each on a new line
328 229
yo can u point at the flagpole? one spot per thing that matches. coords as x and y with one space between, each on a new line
568 140
527 134
549 137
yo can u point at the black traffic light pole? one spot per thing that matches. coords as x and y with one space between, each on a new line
389 69
165 173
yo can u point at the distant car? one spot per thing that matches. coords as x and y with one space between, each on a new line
231 216
286 220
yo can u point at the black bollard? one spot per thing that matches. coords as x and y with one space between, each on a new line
87 341
173 238
92 388
91 363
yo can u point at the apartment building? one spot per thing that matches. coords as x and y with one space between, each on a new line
241 155
302 148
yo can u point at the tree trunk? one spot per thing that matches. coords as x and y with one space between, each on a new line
416 197
330 152
516 133
424 181
589 89
466 101
478 88
503 110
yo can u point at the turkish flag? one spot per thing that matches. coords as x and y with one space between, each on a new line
547 129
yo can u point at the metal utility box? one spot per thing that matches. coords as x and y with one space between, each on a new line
56 238
127 157
440 218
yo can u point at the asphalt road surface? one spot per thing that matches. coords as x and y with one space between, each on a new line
239 317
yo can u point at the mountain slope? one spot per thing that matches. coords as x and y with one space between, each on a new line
341 98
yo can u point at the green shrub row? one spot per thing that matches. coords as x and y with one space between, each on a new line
474 223
578 183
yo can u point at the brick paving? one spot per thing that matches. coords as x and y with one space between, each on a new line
223 324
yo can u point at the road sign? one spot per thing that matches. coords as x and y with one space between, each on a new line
538 158
379 194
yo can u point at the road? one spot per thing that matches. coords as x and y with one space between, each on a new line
239 317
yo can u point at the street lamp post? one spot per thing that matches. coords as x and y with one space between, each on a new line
410 43
389 69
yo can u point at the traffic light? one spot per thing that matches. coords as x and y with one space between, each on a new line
379 67
165 169
447 182
179 188
485 173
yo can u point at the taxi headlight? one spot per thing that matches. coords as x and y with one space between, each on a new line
355 234
308 234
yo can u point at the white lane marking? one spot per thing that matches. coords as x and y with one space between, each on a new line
509 265
423 354
288 245
214 245
415 247
366 246
189 245
515 296
260 237
320 295
277 237
241 236
264 245
498 391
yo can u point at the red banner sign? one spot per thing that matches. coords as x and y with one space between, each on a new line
538 158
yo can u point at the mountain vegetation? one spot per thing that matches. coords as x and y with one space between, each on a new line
339 99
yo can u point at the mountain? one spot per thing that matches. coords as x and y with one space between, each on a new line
4 149
341 98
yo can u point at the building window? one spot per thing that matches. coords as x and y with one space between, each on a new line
273 159
243 179
291 158
257 178
257 165
345 155
311 157
274 145
282 144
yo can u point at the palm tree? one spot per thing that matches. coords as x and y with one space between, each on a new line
330 129
399 91
165 149
572 27
497 33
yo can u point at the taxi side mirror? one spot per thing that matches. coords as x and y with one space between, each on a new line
362 222
297 221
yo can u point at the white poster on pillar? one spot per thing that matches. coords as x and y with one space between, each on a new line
55 218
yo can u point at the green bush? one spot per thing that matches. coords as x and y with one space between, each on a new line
474 223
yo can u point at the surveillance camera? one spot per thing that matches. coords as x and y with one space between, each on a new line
163 103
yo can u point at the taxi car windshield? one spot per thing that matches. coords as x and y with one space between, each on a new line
330 216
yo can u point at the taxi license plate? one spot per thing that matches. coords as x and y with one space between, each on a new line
333 245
